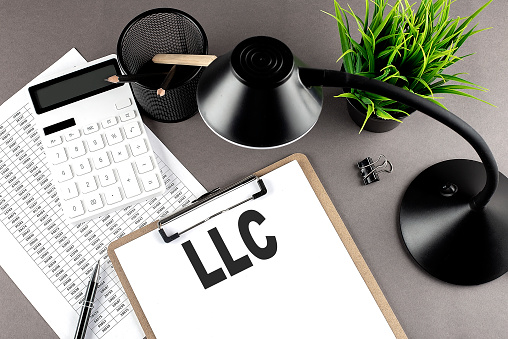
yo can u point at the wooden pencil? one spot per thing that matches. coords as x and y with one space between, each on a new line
184 59
134 77
162 90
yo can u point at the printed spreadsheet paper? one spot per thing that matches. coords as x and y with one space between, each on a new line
49 260
307 286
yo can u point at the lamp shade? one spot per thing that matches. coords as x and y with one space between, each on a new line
253 96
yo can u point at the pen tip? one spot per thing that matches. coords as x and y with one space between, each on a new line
95 274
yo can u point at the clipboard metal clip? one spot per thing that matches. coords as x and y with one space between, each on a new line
207 197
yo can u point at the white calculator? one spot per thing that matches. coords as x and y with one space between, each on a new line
95 141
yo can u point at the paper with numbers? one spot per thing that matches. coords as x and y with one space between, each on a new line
274 267
50 260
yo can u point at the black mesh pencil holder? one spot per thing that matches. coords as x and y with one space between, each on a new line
163 30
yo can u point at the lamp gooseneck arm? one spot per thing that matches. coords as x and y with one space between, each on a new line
332 78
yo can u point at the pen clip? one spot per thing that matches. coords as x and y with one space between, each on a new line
87 304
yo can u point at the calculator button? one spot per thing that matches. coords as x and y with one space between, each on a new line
138 146
144 164
82 167
76 149
129 181
56 155
92 128
93 201
150 181
127 115
52 141
114 136
132 130
107 177
101 159
119 153
112 195
62 172
72 134
68 190
111 121
123 103
95 142
74 208
87 184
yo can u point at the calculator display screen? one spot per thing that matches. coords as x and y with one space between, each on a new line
73 86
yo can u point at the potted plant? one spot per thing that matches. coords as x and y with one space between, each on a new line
408 47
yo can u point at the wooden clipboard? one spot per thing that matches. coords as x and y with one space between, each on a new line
332 214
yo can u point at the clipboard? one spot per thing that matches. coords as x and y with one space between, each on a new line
331 213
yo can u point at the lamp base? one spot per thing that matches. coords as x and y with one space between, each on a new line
444 235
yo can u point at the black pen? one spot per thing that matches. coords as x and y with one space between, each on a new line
88 303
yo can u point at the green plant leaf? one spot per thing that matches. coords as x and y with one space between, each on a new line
386 37
385 115
366 21
369 48
360 49
445 87
359 21
385 103
471 32
443 6
370 110
457 79
377 17
472 16
456 92
433 100
424 83
396 77
449 29
383 23
348 63
348 51
347 95
396 110
425 61
397 49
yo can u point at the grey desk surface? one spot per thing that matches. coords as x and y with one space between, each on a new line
34 34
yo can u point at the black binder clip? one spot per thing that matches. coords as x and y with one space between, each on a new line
369 171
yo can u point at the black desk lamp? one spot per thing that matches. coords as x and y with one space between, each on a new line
453 216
